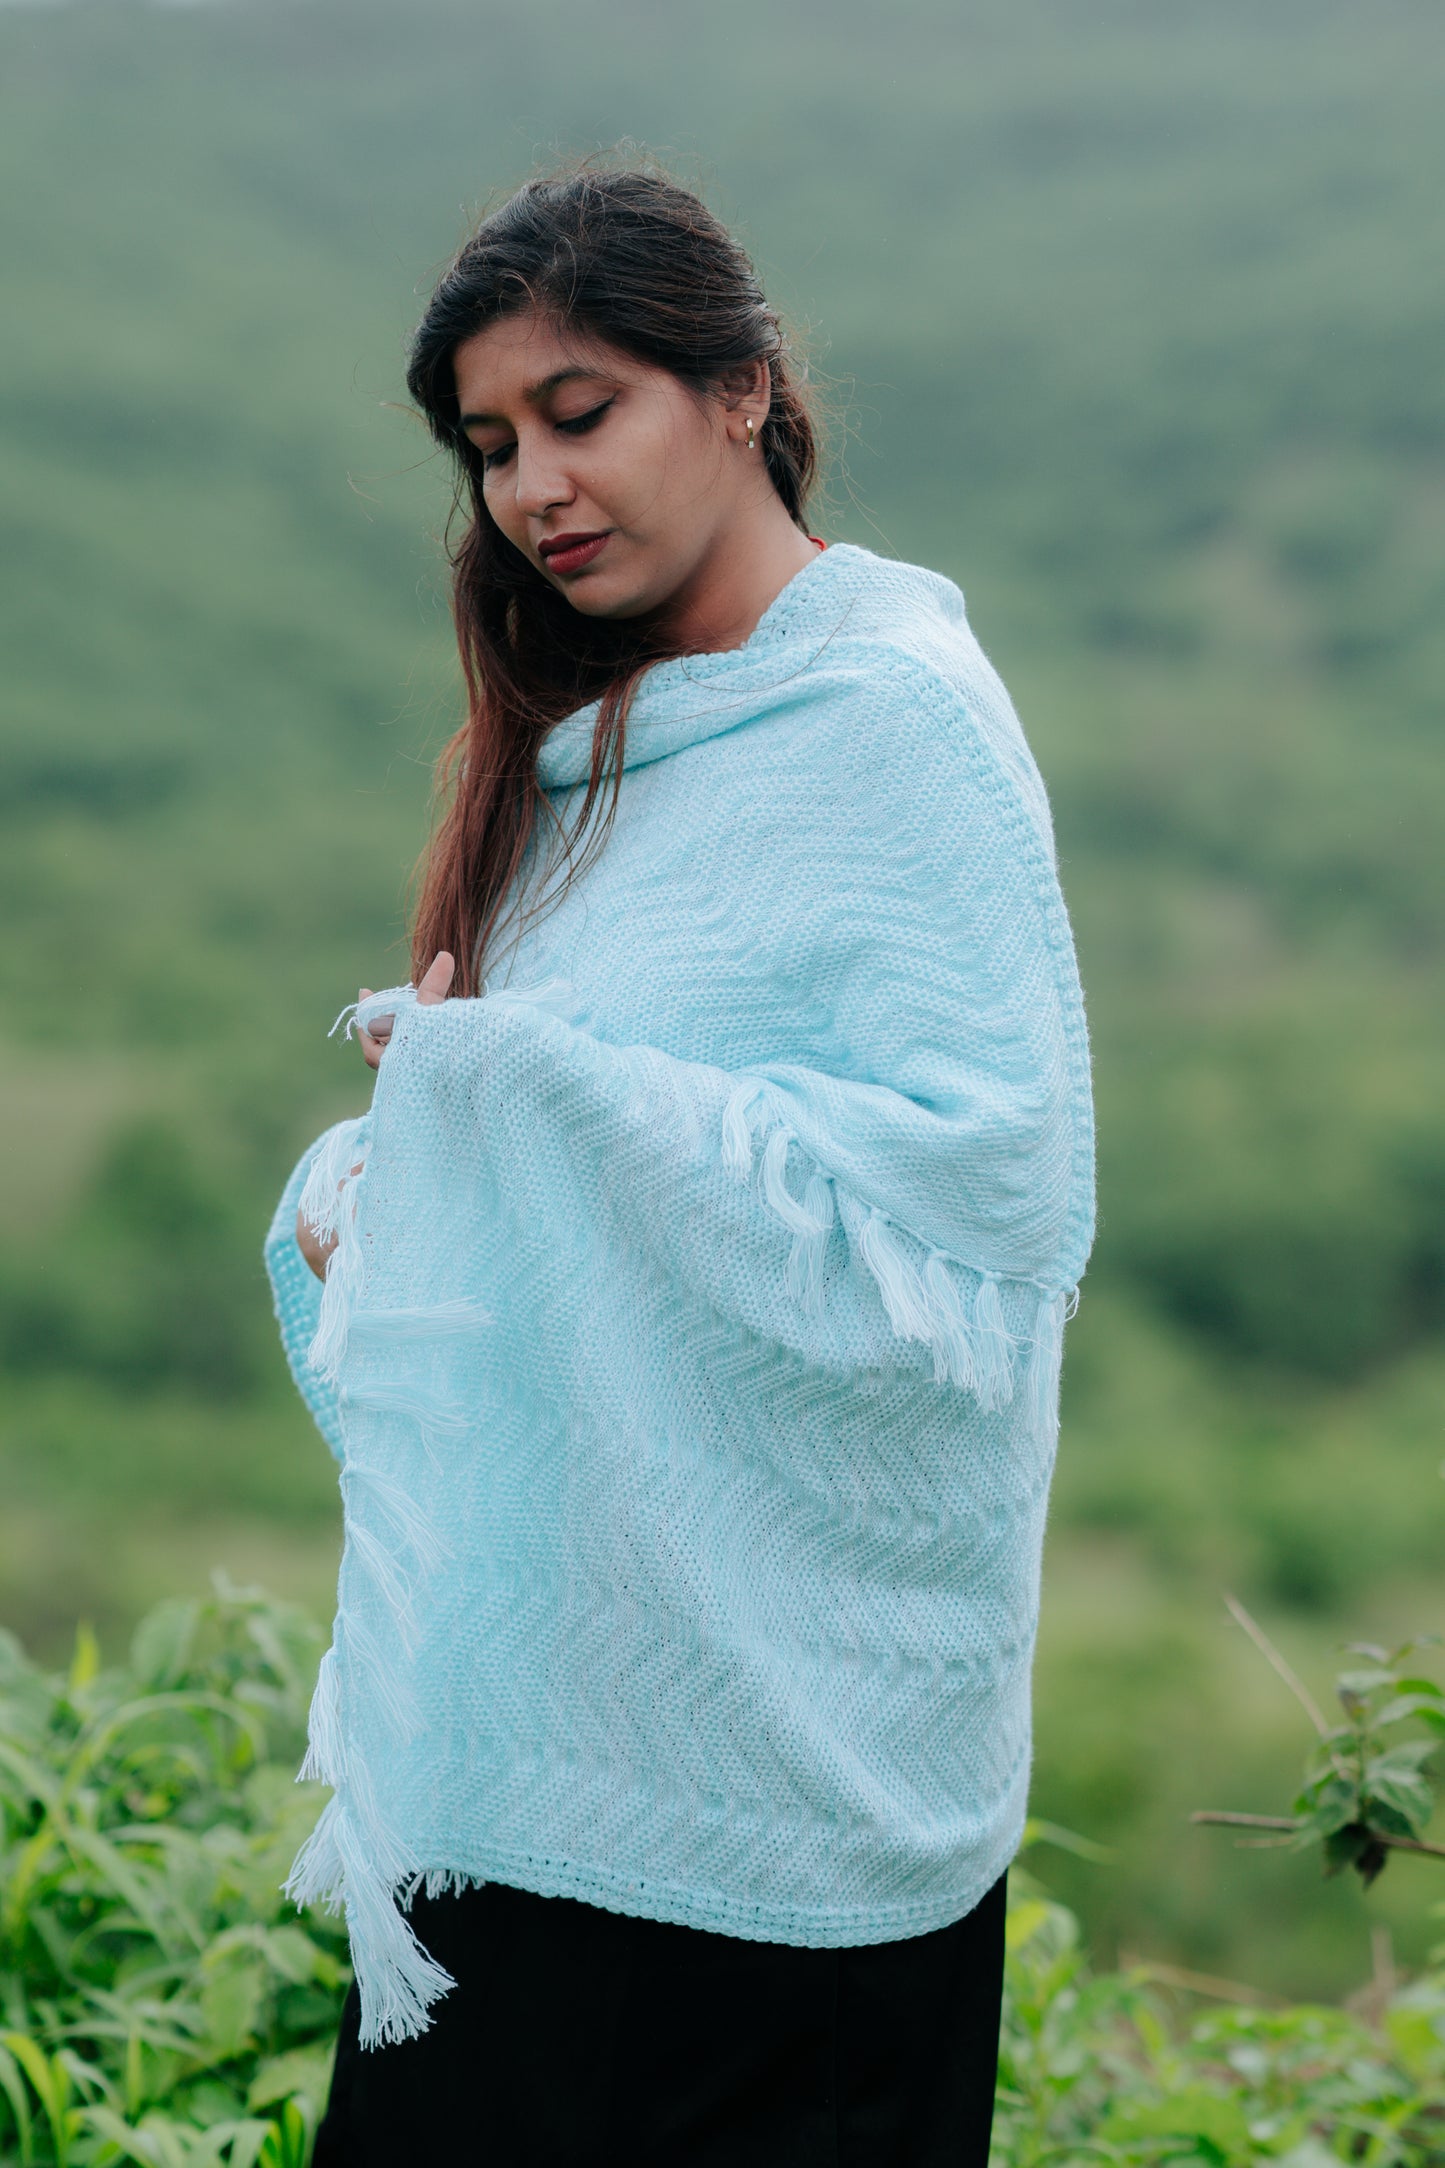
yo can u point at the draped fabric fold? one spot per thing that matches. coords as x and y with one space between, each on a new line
691 1346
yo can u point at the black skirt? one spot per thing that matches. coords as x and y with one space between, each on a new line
577 2038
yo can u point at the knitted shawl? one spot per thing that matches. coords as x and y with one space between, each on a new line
691 1345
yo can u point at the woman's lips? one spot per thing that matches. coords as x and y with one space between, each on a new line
575 555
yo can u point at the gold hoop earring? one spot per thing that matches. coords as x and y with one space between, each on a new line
752 440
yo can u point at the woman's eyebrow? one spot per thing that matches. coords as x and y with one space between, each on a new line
532 394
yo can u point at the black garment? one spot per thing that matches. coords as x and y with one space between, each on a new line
576 2038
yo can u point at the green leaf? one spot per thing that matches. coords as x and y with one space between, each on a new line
1395 1712
1410 1798
291 2142
85 1663
1408 1754
248 2142
52 2085
1038 1831
233 1992
1329 1804
162 1643
291 1953
1358 1684
1347 1847
1416 2037
44 2081
1194 2112
153 2143
13 2087
1024 1921
302 2070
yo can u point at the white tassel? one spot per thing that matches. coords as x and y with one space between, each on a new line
328 1204
385 1003
1042 1376
412 1526
329 1172
325 1753
391 1582
810 1246
439 1421
456 1320
737 1134
993 1348
904 1295
776 1194
397 1979
448 1882
953 1353
393 1701
318 1874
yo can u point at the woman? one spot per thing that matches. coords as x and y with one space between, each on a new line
694 1289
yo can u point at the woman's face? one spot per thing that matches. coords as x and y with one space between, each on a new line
610 475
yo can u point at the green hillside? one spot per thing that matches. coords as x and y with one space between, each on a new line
1130 319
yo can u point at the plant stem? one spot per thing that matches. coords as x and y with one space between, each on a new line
1244 1821
1277 1663
1278 1821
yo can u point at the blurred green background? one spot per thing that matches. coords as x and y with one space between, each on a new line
1131 319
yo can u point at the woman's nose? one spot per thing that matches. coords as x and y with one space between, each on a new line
541 480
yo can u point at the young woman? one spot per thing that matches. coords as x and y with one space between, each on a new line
690 1300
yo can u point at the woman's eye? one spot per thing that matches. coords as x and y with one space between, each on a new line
578 426
581 423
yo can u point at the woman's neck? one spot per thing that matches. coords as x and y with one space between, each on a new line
755 557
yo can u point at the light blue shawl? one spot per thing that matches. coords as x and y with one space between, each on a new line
691 1347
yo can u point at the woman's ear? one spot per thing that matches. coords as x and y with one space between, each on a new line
747 388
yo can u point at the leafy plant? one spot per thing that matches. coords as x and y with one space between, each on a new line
160 2002
1366 1792
1100 2067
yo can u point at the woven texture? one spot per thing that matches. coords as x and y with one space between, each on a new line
691 1346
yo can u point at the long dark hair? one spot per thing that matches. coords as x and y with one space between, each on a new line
635 260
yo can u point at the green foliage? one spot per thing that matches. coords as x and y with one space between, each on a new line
1098 2067
160 2002
1367 1790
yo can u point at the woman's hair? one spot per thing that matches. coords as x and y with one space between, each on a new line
635 260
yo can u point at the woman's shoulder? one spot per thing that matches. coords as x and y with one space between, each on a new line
896 636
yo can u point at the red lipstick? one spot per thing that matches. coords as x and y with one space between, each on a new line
570 552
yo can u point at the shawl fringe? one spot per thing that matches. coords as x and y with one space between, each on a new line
951 1308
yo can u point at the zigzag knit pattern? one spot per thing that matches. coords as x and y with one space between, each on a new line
691 1345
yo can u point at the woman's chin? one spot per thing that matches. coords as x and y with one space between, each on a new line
609 597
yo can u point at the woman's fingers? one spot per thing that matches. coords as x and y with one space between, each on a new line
312 1248
373 1042
437 982
434 987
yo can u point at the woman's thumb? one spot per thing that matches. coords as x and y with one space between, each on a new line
437 981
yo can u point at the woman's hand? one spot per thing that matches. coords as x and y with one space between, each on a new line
311 1246
433 988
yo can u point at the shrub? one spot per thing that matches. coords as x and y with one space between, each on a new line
160 2002
1098 2067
